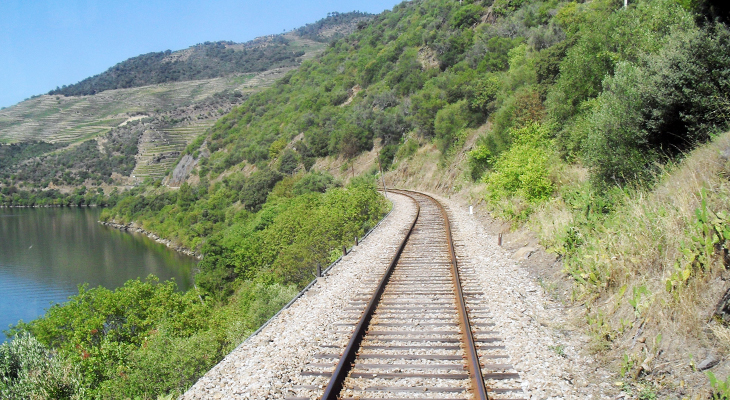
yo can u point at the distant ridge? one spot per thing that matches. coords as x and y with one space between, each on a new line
215 59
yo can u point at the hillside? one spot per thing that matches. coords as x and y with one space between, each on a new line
155 121
555 114
598 127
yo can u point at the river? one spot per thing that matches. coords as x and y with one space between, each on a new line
45 253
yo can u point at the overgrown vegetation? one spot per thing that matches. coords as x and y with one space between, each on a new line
147 339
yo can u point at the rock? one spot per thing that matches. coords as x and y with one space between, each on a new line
722 309
182 170
710 361
524 253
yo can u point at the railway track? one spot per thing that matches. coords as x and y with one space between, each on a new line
423 332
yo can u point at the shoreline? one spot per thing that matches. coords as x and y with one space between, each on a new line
130 227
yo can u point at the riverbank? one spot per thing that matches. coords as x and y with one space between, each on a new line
131 227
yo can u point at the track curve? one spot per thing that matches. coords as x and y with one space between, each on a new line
421 334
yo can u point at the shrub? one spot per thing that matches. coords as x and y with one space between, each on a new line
313 182
288 162
660 106
524 169
257 187
30 370
450 121
164 364
617 148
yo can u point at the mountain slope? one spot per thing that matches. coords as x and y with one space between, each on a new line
157 120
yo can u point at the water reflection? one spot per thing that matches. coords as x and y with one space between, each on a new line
45 253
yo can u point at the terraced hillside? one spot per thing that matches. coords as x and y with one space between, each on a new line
71 119
133 121
171 114
158 149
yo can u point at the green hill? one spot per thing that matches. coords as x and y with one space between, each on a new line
598 126
157 116
557 114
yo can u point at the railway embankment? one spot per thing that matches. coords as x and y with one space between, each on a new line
542 347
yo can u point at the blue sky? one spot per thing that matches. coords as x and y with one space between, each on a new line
46 43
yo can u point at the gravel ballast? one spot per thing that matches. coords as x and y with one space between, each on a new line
547 352
542 347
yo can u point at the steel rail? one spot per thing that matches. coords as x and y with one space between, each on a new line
473 364
335 385
347 359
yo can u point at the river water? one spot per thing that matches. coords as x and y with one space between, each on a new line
46 252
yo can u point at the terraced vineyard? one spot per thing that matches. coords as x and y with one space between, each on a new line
173 113
158 149
71 119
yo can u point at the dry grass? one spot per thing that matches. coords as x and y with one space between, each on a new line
623 259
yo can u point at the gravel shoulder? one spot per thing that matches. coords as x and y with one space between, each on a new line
267 366
545 348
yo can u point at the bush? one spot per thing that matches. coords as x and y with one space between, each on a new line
164 364
288 162
524 169
659 107
450 121
29 370
313 182
617 148
257 187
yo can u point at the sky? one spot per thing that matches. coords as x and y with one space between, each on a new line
46 43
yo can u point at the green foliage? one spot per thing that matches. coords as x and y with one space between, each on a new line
29 370
81 196
467 16
314 182
98 328
257 187
425 105
720 389
683 88
450 122
497 54
290 236
11 154
407 149
484 93
635 301
615 148
524 169
163 364
288 162
480 158
142 340
386 156
708 233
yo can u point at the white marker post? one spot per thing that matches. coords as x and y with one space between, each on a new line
471 210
